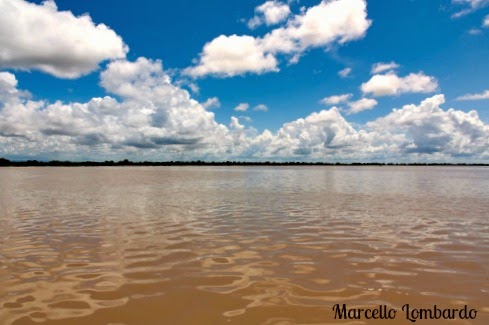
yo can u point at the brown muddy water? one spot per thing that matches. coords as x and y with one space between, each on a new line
241 245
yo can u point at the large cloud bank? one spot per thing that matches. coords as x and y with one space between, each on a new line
152 113
148 117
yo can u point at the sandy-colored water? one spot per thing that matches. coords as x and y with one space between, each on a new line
240 245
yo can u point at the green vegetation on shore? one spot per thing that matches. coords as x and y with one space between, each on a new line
55 163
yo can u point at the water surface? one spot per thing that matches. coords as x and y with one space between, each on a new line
240 245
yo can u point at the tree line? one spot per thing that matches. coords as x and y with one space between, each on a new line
57 163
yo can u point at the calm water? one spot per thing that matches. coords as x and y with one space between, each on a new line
240 245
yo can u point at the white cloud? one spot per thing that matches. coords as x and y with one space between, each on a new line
427 129
227 56
328 22
8 86
8 82
344 73
469 6
474 31
319 26
261 107
320 135
243 107
234 124
155 120
362 105
383 66
336 99
42 38
154 116
354 106
270 13
194 87
390 84
483 95
343 20
212 103
187 83
253 22
246 118
137 79
485 23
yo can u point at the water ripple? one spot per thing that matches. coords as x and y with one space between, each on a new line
238 245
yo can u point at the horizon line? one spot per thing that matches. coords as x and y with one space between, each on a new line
58 163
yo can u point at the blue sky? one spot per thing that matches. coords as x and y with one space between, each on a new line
280 59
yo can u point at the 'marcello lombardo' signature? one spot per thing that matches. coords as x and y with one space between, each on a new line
412 314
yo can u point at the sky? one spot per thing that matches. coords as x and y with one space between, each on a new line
296 80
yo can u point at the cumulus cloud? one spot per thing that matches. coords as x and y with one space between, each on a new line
320 135
261 107
382 67
354 106
390 84
428 129
8 86
269 13
344 73
362 105
154 115
485 23
322 25
30 40
326 129
153 119
468 6
336 99
228 56
212 102
483 95
242 107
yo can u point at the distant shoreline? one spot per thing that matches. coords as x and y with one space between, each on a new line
56 163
